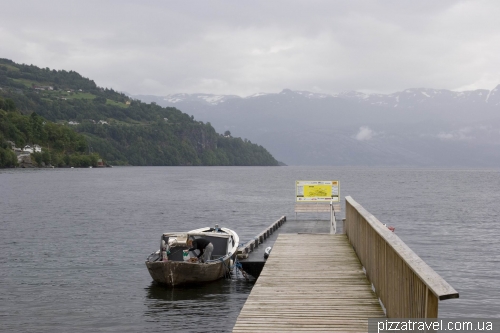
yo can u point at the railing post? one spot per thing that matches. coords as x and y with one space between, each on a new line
431 305
333 222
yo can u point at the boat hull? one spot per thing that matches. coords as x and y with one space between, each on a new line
175 273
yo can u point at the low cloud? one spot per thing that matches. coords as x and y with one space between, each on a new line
365 134
458 135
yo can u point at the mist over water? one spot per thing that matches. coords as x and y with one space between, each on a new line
74 241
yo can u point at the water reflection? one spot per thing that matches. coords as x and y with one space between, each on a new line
211 307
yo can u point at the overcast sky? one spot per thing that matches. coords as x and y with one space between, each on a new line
247 47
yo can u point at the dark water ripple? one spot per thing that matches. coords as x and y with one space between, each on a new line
73 241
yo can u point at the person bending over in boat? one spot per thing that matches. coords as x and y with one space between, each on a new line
206 248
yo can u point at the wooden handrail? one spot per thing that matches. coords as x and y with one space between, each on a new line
405 284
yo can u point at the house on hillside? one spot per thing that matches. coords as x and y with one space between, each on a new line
102 122
36 148
71 122
16 150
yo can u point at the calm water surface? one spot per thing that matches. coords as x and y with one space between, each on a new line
73 241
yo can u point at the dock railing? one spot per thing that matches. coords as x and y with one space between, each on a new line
320 207
406 286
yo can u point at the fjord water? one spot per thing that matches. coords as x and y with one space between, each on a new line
73 241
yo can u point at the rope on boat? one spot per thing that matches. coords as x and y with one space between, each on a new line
243 243
238 267
227 271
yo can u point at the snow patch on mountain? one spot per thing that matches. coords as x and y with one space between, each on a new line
312 95
407 98
212 99
256 95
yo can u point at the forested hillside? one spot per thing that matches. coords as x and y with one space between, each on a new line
62 146
121 130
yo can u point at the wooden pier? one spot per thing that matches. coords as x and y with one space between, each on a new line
322 289
334 282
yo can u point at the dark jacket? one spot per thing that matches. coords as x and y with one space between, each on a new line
200 244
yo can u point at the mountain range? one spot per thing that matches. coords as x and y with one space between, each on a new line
73 119
414 127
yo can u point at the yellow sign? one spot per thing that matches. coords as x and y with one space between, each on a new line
317 191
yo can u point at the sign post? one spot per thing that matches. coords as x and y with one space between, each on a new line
317 191
315 195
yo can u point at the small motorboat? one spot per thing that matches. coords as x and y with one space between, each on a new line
172 265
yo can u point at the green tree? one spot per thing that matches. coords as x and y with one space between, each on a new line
8 158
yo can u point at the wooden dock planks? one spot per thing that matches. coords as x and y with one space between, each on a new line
310 283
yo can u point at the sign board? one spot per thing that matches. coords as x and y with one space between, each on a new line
317 191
